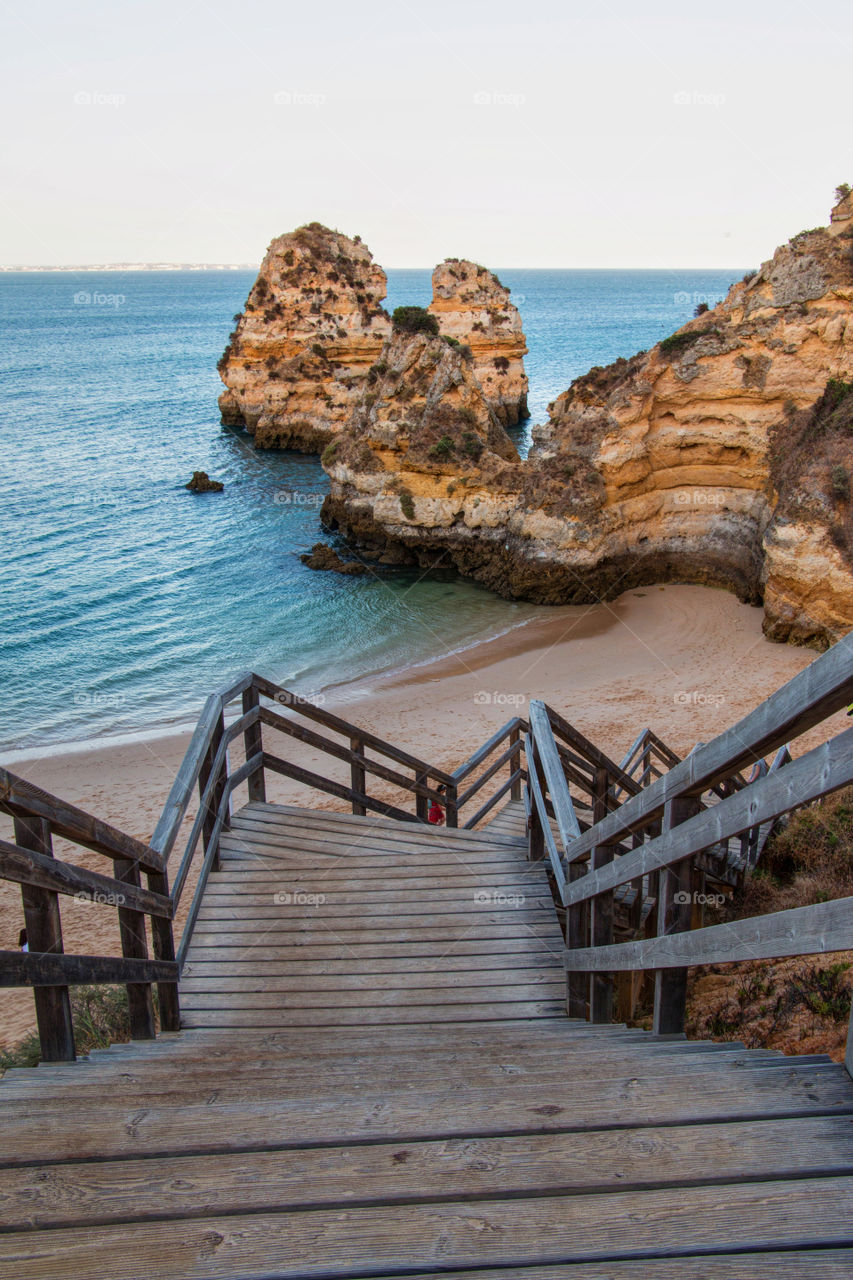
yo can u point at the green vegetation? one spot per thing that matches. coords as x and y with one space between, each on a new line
329 453
442 449
407 504
701 309
100 1018
678 342
414 320
841 482
472 445
842 191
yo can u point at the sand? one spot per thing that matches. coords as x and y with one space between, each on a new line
685 661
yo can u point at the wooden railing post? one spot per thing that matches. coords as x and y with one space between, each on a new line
217 791
164 949
536 832
601 915
44 934
515 762
675 902
577 935
451 807
253 740
421 802
358 777
134 946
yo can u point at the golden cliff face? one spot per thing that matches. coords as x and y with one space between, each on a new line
472 305
312 327
723 455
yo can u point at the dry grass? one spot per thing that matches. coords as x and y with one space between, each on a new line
800 1005
100 1018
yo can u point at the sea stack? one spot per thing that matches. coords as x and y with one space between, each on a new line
724 455
472 305
312 326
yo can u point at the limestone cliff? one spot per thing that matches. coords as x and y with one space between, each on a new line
723 456
472 305
312 326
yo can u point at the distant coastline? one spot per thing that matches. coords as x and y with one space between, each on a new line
144 266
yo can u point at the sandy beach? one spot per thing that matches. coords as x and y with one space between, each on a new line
686 661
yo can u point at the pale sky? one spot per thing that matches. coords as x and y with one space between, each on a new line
534 133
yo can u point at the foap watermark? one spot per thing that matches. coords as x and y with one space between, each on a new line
297 498
696 698
497 898
95 98
99 896
686 299
298 898
83 698
498 98
694 98
698 498
85 299
497 698
289 699
682 898
298 98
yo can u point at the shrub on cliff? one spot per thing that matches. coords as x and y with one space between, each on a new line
414 320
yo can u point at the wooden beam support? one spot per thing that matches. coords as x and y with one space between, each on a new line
44 934
675 910
601 911
134 946
253 741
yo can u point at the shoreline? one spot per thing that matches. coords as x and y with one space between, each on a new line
685 661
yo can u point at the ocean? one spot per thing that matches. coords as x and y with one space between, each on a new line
124 599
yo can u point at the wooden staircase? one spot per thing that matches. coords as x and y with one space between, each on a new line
330 920
375 1075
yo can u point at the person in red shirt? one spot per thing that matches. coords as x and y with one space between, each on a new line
436 813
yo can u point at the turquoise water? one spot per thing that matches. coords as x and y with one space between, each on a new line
124 598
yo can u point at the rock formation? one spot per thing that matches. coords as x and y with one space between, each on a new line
472 305
312 326
721 456
202 483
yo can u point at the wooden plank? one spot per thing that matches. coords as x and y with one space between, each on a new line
24 799
674 915
38 969
44 934
253 744
134 946
29 867
319 783
291 997
127 1191
816 929
770 1215
822 770
178 799
799 1264
372 1016
493 800
286 816
351 755
822 688
504 966
300 706
312 949
422 979
558 790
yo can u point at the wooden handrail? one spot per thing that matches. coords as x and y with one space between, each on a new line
822 770
819 690
821 927
26 866
306 708
49 969
19 797
482 753
542 736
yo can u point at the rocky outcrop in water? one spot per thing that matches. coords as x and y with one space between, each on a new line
720 456
202 483
312 326
472 305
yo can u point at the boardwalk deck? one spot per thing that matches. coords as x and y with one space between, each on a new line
377 1078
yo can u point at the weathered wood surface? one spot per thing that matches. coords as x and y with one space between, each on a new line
823 769
384 1082
812 930
28 969
823 687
